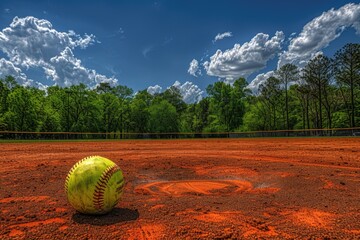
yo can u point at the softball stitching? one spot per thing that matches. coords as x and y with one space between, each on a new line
98 197
71 171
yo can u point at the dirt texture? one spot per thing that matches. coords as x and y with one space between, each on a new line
280 188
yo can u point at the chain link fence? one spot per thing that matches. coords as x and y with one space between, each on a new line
336 132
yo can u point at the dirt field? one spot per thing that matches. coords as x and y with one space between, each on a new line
305 188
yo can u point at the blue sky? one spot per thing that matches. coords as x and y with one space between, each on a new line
152 43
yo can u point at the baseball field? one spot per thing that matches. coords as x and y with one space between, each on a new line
263 188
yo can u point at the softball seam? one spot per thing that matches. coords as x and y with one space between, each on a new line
98 196
72 170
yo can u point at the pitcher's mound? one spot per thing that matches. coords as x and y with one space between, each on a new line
195 187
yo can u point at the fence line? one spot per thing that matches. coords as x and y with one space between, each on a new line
129 135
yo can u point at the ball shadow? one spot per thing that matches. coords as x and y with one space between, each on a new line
117 215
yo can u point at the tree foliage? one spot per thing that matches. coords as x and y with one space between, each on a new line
324 94
347 73
287 74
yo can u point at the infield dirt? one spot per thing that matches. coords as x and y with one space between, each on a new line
280 188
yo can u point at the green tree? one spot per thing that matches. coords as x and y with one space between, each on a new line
226 105
270 97
139 115
238 94
83 111
111 110
51 120
188 118
200 120
317 74
256 118
103 87
163 118
173 96
57 104
145 96
347 73
10 82
122 92
23 111
6 86
297 114
303 93
4 92
220 97
286 74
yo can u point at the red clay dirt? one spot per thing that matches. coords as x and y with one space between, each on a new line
280 188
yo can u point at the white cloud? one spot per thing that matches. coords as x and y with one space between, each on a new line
241 61
318 33
34 43
190 92
67 70
84 42
7 68
315 36
221 36
194 68
154 89
258 80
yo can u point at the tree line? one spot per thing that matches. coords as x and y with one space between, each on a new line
325 93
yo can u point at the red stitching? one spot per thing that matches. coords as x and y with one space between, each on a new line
98 196
71 171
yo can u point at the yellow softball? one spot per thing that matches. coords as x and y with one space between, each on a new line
94 185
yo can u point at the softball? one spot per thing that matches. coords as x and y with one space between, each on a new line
94 185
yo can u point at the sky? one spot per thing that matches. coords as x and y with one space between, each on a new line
156 44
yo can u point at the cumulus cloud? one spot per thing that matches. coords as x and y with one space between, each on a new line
7 68
190 92
315 36
67 70
221 36
318 33
34 43
194 68
243 60
292 35
258 80
154 89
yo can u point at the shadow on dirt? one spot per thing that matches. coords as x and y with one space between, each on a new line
117 215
